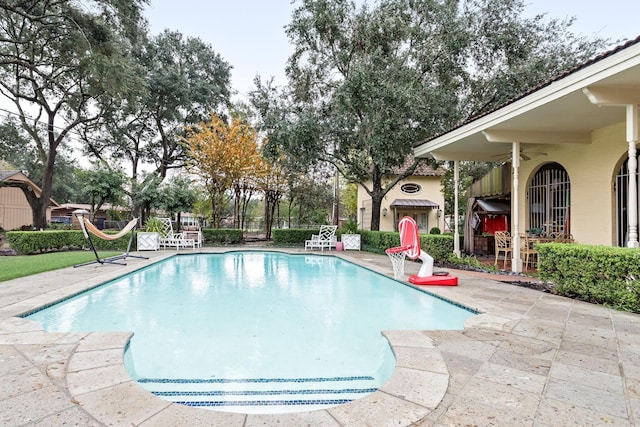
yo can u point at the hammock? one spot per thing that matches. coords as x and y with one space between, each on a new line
93 229
87 227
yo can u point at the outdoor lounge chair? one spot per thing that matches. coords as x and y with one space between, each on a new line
169 238
325 239
193 232
89 228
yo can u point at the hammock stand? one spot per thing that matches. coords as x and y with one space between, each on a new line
87 227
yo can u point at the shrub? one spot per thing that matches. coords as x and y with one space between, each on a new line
293 236
350 227
598 274
222 235
438 246
468 262
435 230
31 242
156 225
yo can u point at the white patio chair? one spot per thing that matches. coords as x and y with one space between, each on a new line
169 238
503 244
193 232
325 239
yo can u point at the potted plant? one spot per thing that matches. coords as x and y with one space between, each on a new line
149 240
350 239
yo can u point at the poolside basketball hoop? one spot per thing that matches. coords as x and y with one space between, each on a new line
397 255
410 239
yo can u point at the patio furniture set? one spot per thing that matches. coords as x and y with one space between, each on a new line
326 239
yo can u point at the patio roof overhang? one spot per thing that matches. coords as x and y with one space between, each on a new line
563 111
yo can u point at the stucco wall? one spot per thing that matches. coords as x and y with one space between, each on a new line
592 169
430 190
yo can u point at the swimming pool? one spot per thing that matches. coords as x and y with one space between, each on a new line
255 331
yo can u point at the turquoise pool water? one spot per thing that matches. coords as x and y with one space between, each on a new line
255 331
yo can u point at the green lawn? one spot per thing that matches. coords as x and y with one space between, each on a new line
12 267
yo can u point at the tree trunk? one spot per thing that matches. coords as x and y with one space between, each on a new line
214 217
336 199
267 214
236 205
377 194
289 215
271 200
42 203
376 202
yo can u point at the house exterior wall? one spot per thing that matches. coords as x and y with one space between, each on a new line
14 209
430 189
592 169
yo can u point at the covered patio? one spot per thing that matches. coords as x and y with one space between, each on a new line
576 133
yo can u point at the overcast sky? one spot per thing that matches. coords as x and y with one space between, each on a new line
249 34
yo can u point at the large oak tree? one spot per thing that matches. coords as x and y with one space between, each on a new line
182 80
366 83
58 61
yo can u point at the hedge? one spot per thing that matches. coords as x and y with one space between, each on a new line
292 236
439 246
222 235
598 274
31 242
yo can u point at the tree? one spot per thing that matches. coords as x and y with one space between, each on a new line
350 201
202 206
366 84
19 151
15 147
58 61
272 181
147 195
101 185
184 80
179 196
310 195
246 165
225 157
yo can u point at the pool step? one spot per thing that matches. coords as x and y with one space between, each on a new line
262 395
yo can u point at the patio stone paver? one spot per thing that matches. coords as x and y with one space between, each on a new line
530 359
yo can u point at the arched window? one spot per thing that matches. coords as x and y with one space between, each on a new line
549 196
410 188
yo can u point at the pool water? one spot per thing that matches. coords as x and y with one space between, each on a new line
258 332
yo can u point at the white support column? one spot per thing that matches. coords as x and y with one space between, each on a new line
456 221
516 262
632 208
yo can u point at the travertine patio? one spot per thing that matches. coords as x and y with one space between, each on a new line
530 359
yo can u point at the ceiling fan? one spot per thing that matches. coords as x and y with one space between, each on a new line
524 155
